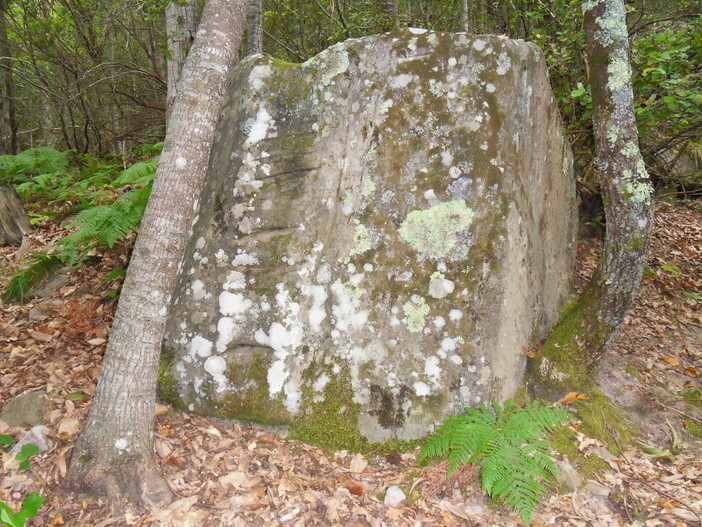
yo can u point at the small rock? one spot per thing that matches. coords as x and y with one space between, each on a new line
393 496
567 475
596 489
38 435
27 408
602 453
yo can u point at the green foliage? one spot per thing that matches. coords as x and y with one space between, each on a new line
30 507
30 164
509 446
29 276
103 222
104 226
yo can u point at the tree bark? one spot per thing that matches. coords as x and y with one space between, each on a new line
8 118
182 19
391 8
254 28
567 359
114 453
465 25
14 222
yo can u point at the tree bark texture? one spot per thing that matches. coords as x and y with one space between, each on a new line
114 453
465 26
14 222
182 19
8 118
578 343
254 28
391 8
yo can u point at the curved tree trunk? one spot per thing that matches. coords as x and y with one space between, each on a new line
567 358
114 454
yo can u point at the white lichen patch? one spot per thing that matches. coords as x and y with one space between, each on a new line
121 444
258 129
258 75
227 329
504 63
317 312
233 303
455 315
417 30
479 45
439 286
415 310
385 106
434 232
215 365
421 388
244 258
346 310
200 346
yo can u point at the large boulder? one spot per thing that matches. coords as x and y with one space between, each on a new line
384 232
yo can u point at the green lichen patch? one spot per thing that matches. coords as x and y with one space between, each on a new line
434 231
361 240
415 310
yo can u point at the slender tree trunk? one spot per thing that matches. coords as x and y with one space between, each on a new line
465 24
578 343
8 118
182 19
254 28
391 8
114 454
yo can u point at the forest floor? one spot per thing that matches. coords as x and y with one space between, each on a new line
239 474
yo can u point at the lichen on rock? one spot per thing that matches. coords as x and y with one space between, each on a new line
383 229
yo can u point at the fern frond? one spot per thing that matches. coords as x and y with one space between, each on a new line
32 273
139 173
509 445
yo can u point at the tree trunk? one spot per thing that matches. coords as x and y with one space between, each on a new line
182 19
254 28
14 222
567 358
114 453
391 8
465 26
8 119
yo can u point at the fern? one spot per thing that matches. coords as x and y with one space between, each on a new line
32 273
104 226
509 445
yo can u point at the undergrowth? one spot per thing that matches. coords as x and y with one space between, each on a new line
109 204
508 445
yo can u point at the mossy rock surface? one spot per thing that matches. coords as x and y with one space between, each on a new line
384 230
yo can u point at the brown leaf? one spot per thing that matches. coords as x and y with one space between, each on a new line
568 398
670 360
41 337
58 520
692 371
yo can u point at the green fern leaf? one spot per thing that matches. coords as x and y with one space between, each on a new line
509 446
